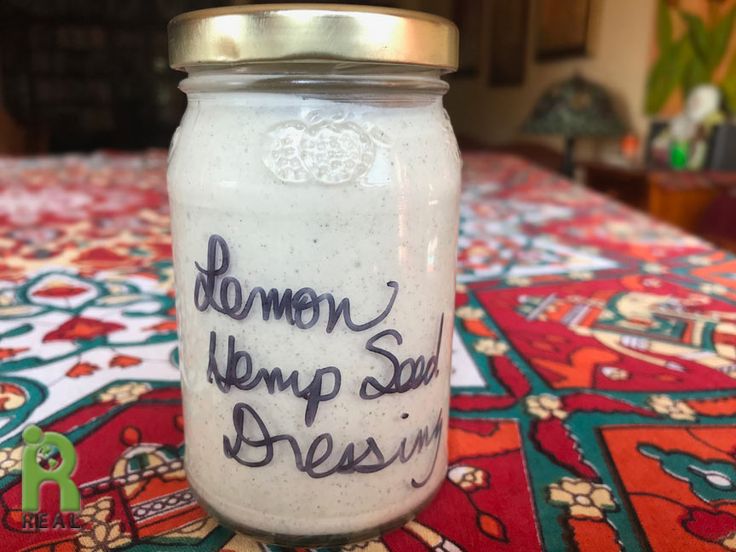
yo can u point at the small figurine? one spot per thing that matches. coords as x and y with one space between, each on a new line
684 143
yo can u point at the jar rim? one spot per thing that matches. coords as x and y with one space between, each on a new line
311 32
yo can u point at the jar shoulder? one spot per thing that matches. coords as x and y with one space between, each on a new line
275 141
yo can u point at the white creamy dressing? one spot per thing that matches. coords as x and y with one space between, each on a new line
343 198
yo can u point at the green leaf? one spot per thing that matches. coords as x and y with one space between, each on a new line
698 36
664 26
695 73
721 36
667 74
728 85
710 44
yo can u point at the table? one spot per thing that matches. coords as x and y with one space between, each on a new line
594 367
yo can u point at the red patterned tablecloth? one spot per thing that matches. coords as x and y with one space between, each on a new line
594 368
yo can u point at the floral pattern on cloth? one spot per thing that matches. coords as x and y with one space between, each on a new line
593 368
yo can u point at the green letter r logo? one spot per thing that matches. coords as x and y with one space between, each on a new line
33 474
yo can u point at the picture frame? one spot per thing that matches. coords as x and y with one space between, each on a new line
468 16
509 38
563 29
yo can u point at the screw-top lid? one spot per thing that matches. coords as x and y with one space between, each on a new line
313 33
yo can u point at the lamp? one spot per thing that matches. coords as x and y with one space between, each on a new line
574 108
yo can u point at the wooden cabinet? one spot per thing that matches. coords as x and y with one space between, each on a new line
680 198
626 183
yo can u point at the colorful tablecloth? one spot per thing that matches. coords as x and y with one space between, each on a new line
594 368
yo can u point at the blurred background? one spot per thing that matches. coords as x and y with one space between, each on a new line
610 92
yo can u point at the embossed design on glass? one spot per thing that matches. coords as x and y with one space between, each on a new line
326 148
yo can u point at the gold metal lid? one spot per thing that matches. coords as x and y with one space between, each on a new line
311 32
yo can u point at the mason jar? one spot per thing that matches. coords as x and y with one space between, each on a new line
314 185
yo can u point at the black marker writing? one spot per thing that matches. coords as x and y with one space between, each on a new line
321 460
406 375
239 373
301 308
253 444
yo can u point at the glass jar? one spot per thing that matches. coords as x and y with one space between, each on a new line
314 186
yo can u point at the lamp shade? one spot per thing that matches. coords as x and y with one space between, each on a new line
573 108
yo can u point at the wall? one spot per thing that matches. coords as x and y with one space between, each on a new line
622 34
